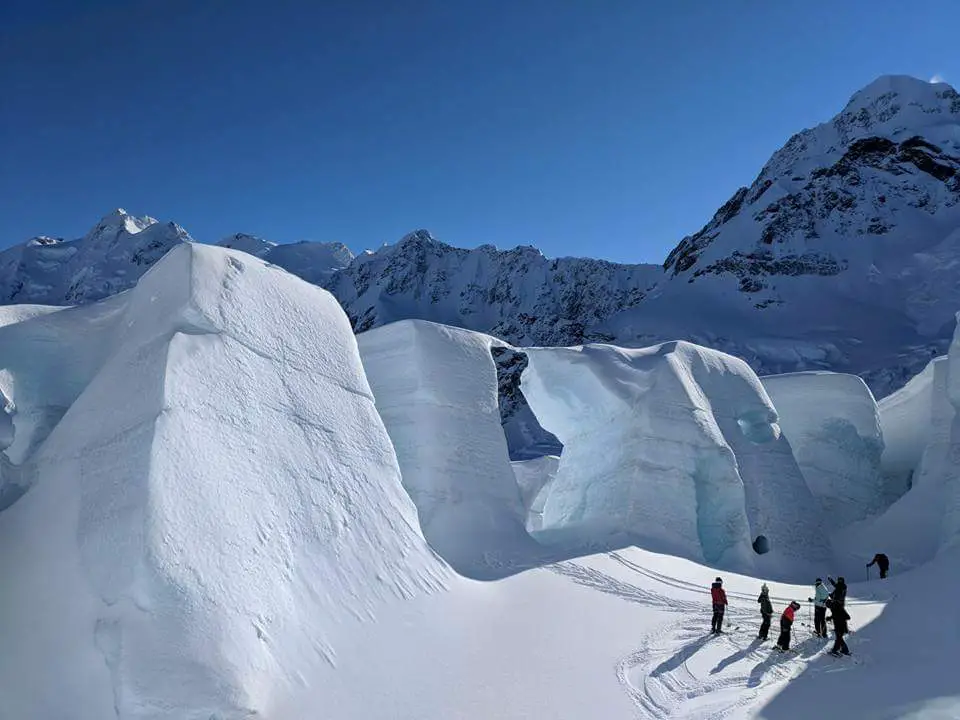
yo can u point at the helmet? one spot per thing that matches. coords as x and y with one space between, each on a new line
719 581
795 605
818 582
764 589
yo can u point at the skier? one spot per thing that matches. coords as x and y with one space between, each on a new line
881 561
840 628
786 622
766 611
819 600
839 594
719 598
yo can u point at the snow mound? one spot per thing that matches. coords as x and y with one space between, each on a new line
436 391
833 426
674 448
211 493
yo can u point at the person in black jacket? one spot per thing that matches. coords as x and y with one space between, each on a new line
882 562
766 611
840 627
839 594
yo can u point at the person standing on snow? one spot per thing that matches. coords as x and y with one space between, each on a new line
839 594
719 598
882 562
786 622
819 600
766 611
840 628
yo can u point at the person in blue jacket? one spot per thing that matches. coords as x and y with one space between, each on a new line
819 600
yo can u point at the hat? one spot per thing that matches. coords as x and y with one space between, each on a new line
719 580
818 582
764 589
795 604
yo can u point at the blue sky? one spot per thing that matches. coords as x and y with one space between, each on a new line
608 128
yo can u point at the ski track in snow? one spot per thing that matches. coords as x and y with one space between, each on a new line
666 682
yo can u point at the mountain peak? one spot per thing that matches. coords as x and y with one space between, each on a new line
898 90
119 220
418 237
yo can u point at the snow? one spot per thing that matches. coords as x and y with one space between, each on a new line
674 448
224 491
832 423
216 495
436 390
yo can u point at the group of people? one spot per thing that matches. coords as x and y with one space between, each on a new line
834 600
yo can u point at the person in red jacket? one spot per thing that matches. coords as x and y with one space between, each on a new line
719 598
786 622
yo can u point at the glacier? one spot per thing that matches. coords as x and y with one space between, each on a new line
674 448
833 425
436 390
210 492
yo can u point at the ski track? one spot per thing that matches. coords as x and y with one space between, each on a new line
664 682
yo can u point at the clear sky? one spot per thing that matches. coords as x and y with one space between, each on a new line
608 128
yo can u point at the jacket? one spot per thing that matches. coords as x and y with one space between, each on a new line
717 594
840 617
839 594
820 595
786 620
881 560
765 607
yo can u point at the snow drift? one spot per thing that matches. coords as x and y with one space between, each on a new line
436 390
833 426
674 448
210 490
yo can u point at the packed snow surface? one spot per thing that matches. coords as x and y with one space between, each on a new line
832 423
675 448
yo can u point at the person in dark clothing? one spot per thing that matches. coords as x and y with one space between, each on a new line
839 594
766 611
786 622
819 600
719 598
840 628
882 562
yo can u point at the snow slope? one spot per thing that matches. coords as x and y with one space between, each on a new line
210 494
674 448
833 426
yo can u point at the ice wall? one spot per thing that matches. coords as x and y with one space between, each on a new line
832 423
921 430
214 491
436 390
673 447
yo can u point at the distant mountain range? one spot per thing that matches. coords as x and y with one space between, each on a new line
843 254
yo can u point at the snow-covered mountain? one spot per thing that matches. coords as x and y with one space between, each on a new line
842 254
518 295
120 248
